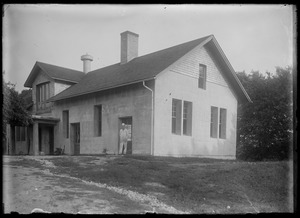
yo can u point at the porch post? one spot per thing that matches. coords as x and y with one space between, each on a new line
35 138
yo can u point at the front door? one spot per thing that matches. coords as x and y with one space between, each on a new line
76 138
128 125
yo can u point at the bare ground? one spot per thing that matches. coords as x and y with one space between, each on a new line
26 188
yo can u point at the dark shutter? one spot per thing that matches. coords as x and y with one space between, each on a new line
222 131
214 122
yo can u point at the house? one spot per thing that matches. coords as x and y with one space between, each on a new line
179 101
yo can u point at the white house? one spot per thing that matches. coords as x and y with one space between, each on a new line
179 101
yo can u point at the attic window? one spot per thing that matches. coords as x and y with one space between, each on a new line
42 94
202 76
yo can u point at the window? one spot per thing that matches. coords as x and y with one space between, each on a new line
66 124
185 114
202 76
214 122
187 118
42 94
20 133
222 124
176 116
98 120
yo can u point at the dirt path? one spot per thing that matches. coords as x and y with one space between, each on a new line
26 188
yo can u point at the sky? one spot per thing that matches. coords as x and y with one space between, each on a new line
253 37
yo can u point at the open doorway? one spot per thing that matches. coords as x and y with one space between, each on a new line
46 138
128 125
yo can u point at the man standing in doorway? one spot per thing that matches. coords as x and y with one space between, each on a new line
123 139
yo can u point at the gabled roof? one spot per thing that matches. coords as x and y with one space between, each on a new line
147 67
54 72
141 68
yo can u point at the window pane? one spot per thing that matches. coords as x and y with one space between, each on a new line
41 93
47 91
173 116
184 123
44 90
174 125
201 83
37 94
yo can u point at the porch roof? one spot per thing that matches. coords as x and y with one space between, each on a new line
47 119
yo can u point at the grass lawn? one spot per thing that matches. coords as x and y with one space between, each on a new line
192 184
196 185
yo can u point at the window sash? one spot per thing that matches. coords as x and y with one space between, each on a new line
43 92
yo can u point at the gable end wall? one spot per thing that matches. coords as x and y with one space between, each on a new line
180 81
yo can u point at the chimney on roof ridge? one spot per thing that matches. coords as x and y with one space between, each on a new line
87 59
129 46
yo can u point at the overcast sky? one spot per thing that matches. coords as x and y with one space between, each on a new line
253 37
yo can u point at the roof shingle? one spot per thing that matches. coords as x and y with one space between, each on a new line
138 69
54 72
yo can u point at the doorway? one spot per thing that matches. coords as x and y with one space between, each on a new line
76 138
46 138
128 125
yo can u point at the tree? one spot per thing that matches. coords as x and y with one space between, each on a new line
14 110
265 126
26 95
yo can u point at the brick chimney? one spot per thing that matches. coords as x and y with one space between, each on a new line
87 59
129 46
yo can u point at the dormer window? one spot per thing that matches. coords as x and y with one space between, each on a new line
42 94
202 76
